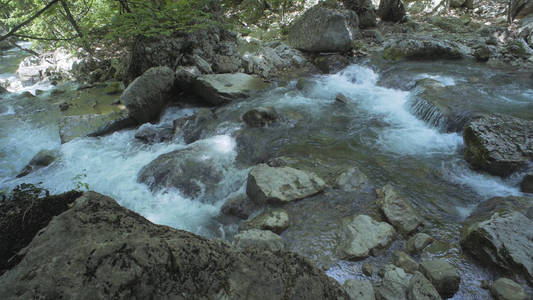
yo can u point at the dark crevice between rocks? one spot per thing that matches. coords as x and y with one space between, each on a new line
22 215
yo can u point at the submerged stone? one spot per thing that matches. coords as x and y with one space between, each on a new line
360 235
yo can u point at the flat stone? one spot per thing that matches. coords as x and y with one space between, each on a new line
255 238
361 234
442 275
219 89
398 211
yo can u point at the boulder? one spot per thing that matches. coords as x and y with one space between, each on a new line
506 289
418 242
519 9
365 12
3 90
42 159
442 275
359 289
331 63
152 135
274 59
498 144
100 250
490 234
323 29
422 49
276 220
239 206
260 117
404 261
219 89
526 186
185 76
394 284
283 184
391 10
421 289
457 3
71 127
360 235
482 53
398 211
192 174
192 127
259 239
146 97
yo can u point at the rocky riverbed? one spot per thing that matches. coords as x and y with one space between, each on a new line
293 173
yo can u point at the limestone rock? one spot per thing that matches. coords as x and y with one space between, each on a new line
323 29
260 239
359 289
442 275
361 234
283 184
498 144
399 212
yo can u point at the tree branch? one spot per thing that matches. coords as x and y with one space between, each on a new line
27 21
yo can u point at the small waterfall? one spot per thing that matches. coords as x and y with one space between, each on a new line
428 113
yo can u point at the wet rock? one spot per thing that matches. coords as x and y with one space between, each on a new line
239 206
146 97
360 235
482 53
185 76
526 186
100 250
353 180
391 10
490 235
3 90
258 145
274 59
442 275
202 65
114 87
192 174
498 144
322 29
342 99
365 12
359 289
331 63
283 184
422 49
22 216
519 9
404 261
276 220
192 127
153 135
63 106
421 289
259 239
457 3
71 127
506 289
367 269
418 242
219 89
394 284
260 117
398 211
42 159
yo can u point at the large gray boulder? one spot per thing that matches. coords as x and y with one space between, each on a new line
442 275
361 235
219 89
500 233
398 211
423 49
365 11
323 29
498 144
42 159
192 174
283 184
391 10
506 289
100 250
146 97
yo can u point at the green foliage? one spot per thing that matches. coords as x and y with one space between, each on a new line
26 191
79 181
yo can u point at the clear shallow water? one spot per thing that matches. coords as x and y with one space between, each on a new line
374 131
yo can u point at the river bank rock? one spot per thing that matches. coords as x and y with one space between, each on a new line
398 211
421 289
259 239
146 97
361 234
498 144
323 29
217 89
42 159
421 48
193 174
506 289
442 275
490 234
359 289
99 250
283 184
276 220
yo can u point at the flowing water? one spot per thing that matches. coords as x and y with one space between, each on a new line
375 132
